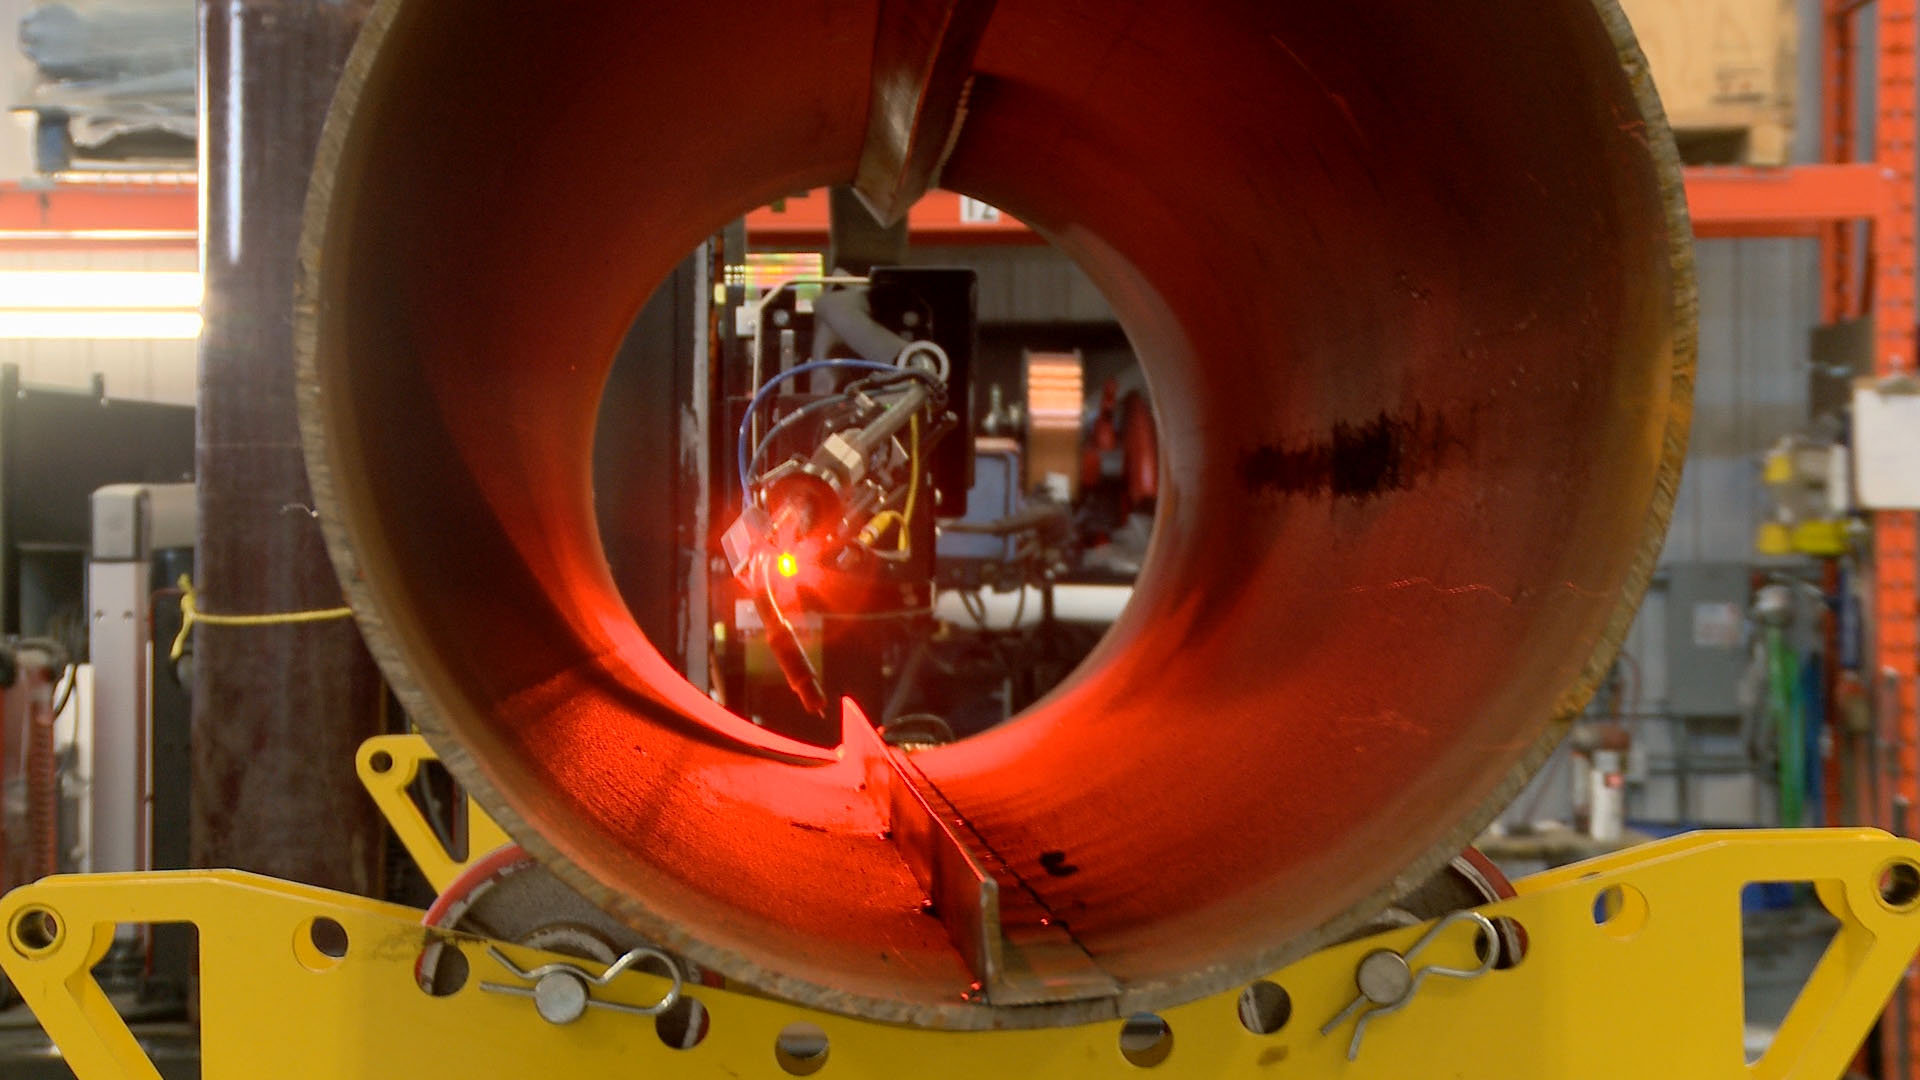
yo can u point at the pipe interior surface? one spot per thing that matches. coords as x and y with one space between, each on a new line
1411 284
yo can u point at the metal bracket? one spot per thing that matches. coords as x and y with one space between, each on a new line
388 765
922 68
1018 952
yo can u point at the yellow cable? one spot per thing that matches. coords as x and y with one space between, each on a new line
877 525
913 482
190 614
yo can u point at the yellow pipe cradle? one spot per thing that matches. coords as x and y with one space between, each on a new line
1633 968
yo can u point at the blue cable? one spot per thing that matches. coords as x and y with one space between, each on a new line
766 391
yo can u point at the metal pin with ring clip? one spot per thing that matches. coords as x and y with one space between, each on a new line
562 992
1387 979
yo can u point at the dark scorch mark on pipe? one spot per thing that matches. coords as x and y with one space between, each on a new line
1358 461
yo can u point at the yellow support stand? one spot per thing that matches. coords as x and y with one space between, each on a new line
388 765
1632 969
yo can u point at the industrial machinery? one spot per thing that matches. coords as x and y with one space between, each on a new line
101 787
32 675
1412 286
837 499
57 447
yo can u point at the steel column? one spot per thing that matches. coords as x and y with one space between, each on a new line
278 710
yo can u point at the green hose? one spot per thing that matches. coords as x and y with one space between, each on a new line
1789 725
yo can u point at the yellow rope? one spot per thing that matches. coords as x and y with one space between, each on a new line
190 613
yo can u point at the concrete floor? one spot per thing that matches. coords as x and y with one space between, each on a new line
25 1054
1782 947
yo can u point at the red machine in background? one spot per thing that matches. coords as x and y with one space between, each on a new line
1120 457
30 790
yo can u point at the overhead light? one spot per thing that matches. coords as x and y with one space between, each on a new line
100 325
100 304
183 237
100 290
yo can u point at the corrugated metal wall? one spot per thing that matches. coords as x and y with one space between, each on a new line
1022 284
1759 302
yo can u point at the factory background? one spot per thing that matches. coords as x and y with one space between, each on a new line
1691 692
1760 301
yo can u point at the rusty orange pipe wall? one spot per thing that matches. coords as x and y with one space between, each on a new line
1412 284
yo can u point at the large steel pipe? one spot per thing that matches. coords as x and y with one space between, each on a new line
1411 281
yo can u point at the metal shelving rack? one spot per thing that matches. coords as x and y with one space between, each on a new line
1886 282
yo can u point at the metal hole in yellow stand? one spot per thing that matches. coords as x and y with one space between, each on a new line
36 932
320 945
1899 886
1620 911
